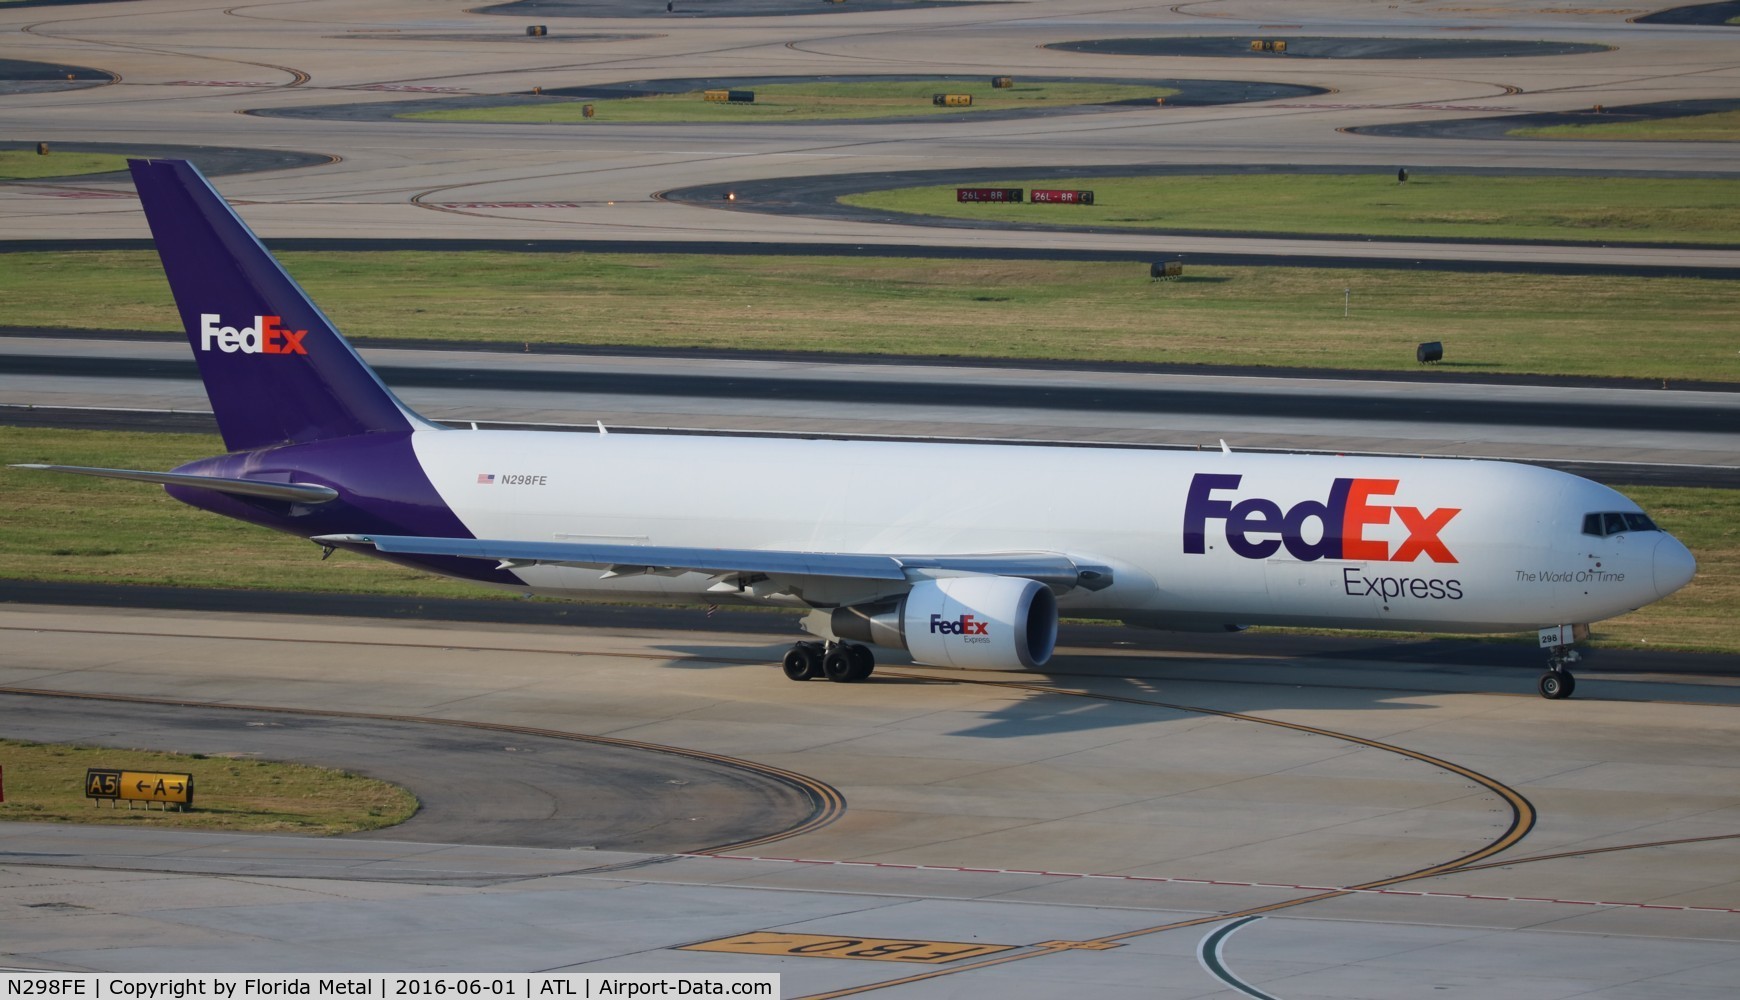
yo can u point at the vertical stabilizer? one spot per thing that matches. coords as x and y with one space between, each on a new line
274 367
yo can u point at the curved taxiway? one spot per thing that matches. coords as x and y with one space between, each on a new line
475 783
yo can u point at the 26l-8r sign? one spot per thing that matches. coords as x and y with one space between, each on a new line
1043 196
987 194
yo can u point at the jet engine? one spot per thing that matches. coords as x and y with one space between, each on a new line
966 621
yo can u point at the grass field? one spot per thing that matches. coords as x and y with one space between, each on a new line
1723 126
25 164
1666 328
807 101
1582 209
51 533
45 784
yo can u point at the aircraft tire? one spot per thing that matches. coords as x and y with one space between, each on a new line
1557 684
802 663
838 665
863 662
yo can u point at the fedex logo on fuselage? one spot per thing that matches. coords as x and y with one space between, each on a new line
1256 528
964 625
266 336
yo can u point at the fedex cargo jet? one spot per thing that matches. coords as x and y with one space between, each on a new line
961 555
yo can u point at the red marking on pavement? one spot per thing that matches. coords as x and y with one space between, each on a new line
395 88
506 204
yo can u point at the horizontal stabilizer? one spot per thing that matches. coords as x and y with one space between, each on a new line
1052 569
290 492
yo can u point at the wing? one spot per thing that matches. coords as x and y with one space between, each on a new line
735 567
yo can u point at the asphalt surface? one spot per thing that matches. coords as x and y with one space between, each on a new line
213 161
1697 13
1339 47
492 37
779 626
818 197
22 76
1425 375
475 786
704 8
23 70
1378 409
1190 93
1617 474
1143 257
1500 128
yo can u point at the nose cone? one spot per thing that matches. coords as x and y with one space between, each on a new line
1674 565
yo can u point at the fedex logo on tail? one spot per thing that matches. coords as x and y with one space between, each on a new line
1256 528
266 336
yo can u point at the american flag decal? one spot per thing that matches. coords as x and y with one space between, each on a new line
485 478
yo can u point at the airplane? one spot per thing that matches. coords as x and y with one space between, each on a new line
962 555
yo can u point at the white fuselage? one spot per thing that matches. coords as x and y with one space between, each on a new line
1428 544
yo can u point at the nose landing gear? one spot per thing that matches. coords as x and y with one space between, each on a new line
1559 642
840 662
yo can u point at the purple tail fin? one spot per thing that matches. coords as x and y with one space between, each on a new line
274 367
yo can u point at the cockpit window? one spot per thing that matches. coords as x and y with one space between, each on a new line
1639 522
1606 523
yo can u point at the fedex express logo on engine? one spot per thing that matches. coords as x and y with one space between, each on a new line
266 336
1256 528
964 625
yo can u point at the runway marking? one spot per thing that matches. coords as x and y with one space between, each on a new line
1232 883
1397 107
220 83
401 88
827 803
508 204
1211 953
834 946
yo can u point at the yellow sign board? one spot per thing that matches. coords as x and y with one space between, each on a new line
831 946
139 786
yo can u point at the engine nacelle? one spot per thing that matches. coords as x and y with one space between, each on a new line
968 621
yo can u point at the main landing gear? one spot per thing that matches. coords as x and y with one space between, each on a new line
1557 682
841 662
